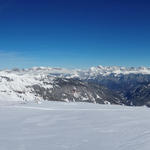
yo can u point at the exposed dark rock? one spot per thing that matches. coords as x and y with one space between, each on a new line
77 90
135 88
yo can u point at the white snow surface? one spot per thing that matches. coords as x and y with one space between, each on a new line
73 126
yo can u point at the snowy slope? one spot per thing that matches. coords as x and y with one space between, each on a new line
16 85
73 126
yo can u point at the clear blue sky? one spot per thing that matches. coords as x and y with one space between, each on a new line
74 33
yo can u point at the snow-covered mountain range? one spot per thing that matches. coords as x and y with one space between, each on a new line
97 84
81 73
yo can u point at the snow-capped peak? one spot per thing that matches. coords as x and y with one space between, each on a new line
71 73
107 70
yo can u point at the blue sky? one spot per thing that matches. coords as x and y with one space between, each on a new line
74 33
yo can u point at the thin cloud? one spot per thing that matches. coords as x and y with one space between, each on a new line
14 59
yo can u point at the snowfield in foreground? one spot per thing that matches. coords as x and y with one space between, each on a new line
73 126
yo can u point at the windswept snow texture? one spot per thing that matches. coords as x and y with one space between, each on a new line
73 126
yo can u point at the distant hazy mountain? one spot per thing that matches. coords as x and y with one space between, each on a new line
115 85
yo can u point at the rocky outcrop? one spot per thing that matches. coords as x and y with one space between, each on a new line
76 90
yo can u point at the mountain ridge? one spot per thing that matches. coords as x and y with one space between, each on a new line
98 70
114 85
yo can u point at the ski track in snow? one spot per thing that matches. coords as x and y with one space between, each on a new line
73 126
